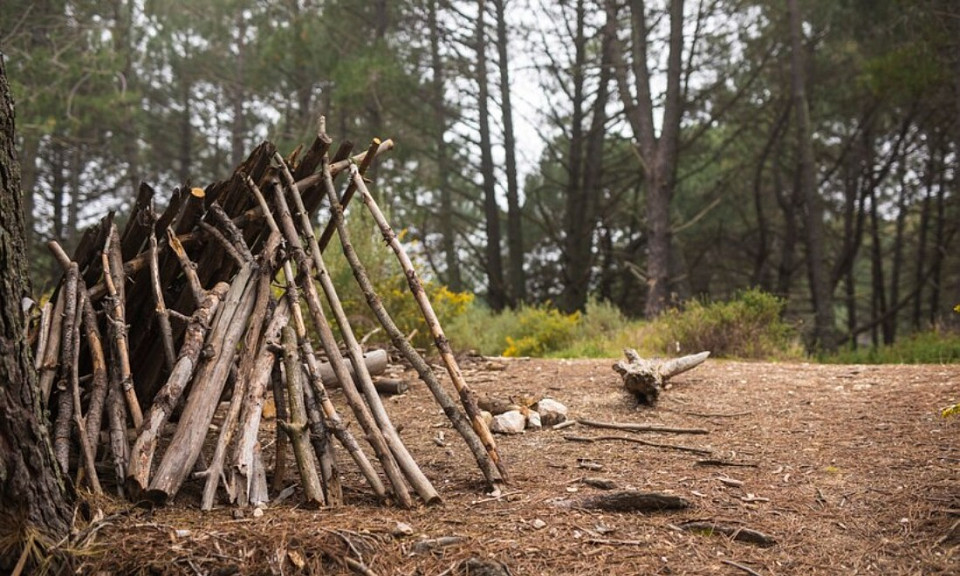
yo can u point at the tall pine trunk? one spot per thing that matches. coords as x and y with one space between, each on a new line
31 494
816 266
496 292
515 270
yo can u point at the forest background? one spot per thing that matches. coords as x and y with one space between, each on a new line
575 164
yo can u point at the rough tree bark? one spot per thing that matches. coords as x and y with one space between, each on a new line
496 291
31 493
658 152
816 267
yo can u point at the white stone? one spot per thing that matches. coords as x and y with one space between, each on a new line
511 422
551 412
538 524
533 420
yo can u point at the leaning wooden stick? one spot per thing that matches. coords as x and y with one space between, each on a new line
296 428
88 447
98 363
138 472
467 397
61 428
417 478
114 278
490 471
163 315
329 343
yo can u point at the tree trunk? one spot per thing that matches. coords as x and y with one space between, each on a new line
31 493
496 293
438 97
515 270
816 267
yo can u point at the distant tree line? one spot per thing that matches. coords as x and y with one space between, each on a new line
689 148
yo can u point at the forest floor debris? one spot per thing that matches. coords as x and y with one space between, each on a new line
855 472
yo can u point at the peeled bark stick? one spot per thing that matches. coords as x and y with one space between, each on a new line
328 341
114 278
296 428
51 354
188 267
98 363
138 473
443 345
414 474
163 316
490 471
61 429
291 303
251 343
43 331
88 448
351 188
208 385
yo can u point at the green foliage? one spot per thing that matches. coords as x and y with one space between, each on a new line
931 347
749 326
528 331
391 286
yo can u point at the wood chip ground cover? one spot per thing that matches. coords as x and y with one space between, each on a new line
850 469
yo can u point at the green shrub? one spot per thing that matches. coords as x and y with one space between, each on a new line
527 331
749 326
391 286
933 347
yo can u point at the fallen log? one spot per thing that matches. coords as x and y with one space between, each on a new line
646 378
375 361
628 501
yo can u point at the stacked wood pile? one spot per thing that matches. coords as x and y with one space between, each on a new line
162 320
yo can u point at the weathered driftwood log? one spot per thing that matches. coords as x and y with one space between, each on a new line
645 378
391 386
375 361
467 397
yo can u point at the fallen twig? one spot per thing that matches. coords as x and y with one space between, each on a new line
746 569
574 438
741 534
642 427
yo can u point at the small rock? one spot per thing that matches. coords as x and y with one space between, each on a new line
551 412
487 417
257 512
533 420
511 422
538 524
402 529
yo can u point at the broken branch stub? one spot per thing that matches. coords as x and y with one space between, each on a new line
645 378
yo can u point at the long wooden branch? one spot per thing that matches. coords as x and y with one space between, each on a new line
334 422
296 428
467 398
641 427
414 474
163 315
88 448
251 343
51 353
114 277
589 439
328 341
61 429
208 385
138 473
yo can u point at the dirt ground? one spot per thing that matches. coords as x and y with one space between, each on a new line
849 468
